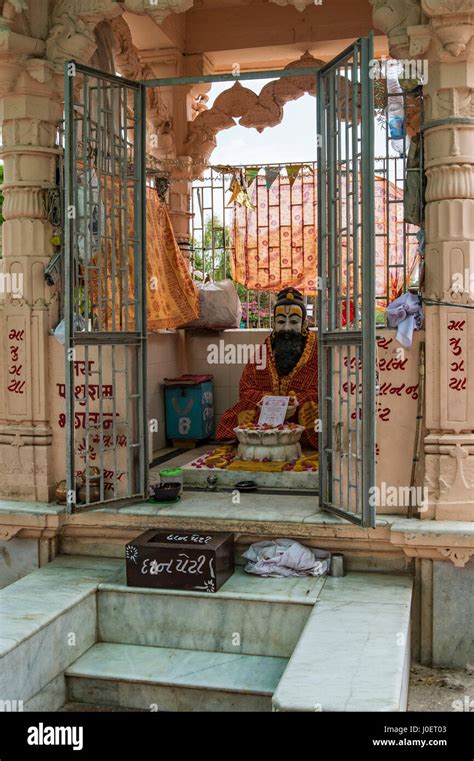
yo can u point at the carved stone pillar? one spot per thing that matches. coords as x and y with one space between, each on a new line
183 103
31 95
442 32
29 113
447 42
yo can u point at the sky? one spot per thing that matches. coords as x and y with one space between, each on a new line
293 140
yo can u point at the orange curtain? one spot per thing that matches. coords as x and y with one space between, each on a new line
275 246
175 301
172 298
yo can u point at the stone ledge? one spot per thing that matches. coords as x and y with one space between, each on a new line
257 515
437 540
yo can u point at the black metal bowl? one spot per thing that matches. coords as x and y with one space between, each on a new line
246 486
165 492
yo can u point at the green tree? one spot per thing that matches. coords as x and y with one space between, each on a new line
212 254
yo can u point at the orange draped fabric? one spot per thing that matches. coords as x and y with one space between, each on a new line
175 301
172 298
275 246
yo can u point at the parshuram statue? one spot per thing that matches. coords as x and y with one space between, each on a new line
289 368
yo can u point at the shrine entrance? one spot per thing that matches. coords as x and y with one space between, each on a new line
106 287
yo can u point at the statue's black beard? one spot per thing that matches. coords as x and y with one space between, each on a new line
287 347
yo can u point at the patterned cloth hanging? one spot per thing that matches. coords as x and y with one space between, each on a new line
275 246
172 297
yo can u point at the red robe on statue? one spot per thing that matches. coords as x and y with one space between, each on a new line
262 380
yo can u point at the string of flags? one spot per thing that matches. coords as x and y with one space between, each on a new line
244 177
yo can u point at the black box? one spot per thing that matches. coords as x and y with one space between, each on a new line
175 559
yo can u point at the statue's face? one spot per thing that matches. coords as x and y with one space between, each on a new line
288 317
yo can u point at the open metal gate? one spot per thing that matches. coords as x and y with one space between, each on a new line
346 262
105 294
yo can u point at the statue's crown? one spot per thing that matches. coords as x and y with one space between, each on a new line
291 296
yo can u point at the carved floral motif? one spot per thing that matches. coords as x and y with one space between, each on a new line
394 17
160 9
457 555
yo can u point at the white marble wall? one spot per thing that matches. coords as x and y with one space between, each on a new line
453 614
17 558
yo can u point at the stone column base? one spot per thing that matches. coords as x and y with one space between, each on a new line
26 468
449 476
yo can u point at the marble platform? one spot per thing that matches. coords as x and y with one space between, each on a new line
286 480
354 652
38 614
453 601
268 615
297 644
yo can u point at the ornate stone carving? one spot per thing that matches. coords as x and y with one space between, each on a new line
457 555
17 5
450 33
9 532
450 181
9 10
450 220
72 28
130 66
252 110
394 17
300 5
441 7
447 40
73 23
160 9
23 202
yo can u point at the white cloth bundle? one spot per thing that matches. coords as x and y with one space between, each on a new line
406 314
285 557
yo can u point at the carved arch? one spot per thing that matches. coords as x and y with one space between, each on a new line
252 110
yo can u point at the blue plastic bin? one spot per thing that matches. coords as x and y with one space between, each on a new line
189 409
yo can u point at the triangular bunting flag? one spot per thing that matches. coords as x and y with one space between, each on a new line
244 200
271 173
240 195
251 173
235 189
293 171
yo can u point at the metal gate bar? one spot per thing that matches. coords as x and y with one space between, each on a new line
214 230
122 333
105 312
346 261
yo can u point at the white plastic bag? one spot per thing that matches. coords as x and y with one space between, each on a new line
60 330
219 306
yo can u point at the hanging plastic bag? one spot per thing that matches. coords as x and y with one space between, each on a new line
395 108
219 306
60 330
412 197
89 231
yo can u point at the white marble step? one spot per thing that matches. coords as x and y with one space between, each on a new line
169 679
38 613
354 652
249 615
